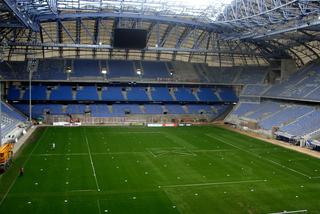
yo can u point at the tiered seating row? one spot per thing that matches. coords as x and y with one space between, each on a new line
77 69
117 93
116 110
292 119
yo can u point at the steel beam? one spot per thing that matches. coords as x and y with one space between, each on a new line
23 17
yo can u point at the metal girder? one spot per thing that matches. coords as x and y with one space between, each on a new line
138 16
22 15
11 24
106 47
260 18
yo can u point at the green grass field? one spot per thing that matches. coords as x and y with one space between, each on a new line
158 170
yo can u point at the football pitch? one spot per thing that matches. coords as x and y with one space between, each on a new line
158 170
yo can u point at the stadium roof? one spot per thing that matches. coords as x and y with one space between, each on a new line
219 32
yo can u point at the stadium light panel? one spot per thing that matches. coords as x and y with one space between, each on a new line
68 69
104 70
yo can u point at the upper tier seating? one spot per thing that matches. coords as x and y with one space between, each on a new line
50 70
254 90
302 85
120 68
251 76
154 70
86 68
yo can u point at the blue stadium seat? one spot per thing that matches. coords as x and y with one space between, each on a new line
61 93
87 93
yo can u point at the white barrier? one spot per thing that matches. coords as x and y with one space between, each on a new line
65 124
161 125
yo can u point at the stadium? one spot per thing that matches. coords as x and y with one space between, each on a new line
159 106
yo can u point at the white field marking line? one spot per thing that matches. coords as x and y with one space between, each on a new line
136 133
271 161
294 211
99 208
61 154
82 190
25 162
214 183
91 161
213 150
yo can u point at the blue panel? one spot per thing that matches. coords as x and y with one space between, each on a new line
13 93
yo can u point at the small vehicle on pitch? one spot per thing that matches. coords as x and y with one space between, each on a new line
6 155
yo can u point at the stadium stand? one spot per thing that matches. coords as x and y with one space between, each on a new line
302 85
87 93
137 94
81 69
120 68
86 69
61 93
254 90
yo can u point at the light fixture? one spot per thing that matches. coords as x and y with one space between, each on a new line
104 70
68 69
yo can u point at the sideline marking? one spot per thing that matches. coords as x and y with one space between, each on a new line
92 166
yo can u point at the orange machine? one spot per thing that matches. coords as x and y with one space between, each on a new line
6 154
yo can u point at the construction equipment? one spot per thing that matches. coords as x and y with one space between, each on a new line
6 155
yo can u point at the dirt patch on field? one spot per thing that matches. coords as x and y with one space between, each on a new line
273 141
